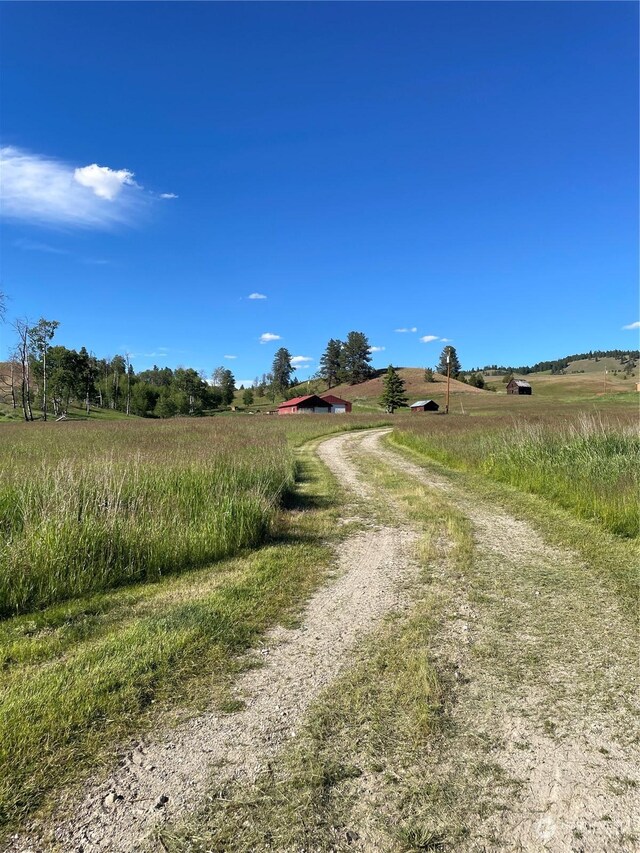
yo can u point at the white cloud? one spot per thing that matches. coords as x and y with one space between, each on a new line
248 383
412 329
299 360
446 340
427 339
231 356
256 296
377 349
105 182
635 325
47 191
168 195
268 336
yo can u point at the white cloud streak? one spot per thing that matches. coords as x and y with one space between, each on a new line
635 325
267 337
256 296
168 195
41 190
230 356
427 339
403 331
299 360
377 349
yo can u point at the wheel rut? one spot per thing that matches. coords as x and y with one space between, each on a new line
161 779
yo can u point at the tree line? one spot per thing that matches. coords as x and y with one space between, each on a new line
559 365
44 376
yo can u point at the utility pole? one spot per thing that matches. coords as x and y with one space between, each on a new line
446 408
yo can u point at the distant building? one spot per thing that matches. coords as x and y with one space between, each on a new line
309 405
424 406
338 406
518 386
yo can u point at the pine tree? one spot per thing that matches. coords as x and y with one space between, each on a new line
282 370
393 394
330 363
355 358
454 362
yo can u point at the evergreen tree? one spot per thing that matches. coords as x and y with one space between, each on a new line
247 397
282 370
356 357
428 374
454 362
393 394
330 363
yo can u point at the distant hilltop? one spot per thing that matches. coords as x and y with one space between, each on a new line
559 365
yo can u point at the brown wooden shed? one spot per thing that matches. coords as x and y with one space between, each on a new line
518 386
424 406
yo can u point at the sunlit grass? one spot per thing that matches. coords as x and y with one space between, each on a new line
589 465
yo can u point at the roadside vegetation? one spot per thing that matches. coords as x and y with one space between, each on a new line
105 638
588 464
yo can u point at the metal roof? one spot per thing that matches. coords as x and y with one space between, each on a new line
421 403
297 400
521 383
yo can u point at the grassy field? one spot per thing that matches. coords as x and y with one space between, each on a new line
138 561
589 464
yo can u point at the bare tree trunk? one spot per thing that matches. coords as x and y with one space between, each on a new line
44 382
126 355
22 330
14 402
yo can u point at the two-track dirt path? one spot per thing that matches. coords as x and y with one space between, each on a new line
160 780
545 695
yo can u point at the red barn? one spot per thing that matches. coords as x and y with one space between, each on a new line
338 406
309 405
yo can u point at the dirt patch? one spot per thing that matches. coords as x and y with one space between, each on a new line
160 780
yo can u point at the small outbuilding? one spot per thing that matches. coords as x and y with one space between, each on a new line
518 386
424 406
309 405
338 406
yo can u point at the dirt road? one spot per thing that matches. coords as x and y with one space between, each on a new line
546 697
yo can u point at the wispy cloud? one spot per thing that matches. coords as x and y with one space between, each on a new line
267 337
635 325
230 356
377 349
42 190
299 360
412 329
427 339
168 195
256 296
34 246
446 340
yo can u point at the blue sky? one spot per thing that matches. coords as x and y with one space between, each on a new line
466 171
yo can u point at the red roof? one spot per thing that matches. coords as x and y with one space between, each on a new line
331 398
297 400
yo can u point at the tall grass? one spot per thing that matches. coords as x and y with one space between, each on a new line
86 507
589 465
